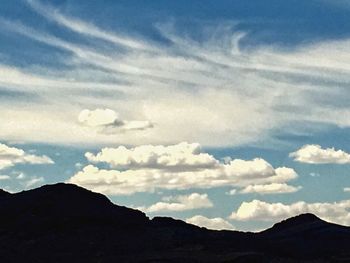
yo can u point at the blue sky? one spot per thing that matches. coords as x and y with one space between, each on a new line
226 114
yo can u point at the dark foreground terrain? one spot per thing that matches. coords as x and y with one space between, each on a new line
66 223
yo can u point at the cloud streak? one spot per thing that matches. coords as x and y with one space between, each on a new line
84 28
213 91
273 188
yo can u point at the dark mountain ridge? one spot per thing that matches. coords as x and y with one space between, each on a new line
67 223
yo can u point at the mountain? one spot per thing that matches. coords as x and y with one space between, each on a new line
307 236
4 193
67 223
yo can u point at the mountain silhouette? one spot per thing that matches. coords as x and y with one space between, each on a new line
67 223
4 193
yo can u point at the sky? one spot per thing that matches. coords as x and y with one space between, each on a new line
225 114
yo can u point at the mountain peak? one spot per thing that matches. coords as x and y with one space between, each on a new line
62 187
297 224
301 219
62 202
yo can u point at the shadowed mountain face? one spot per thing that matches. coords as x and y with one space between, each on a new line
66 223
4 193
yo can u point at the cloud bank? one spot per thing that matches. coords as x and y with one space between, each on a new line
179 156
174 167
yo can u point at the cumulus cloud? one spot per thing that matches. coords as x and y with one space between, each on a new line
180 156
347 189
10 156
181 203
181 166
108 121
315 154
216 223
337 212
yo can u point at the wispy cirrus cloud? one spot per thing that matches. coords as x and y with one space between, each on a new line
226 94
82 27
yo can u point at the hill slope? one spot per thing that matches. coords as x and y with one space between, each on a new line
67 223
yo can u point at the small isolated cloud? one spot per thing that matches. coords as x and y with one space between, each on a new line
181 203
347 189
314 174
270 189
21 176
182 166
216 223
337 212
314 154
78 165
10 156
232 192
108 121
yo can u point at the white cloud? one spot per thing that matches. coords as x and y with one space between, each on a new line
274 188
347 189
312 174
10 156
337 212
209 91
4 177
108 121
99 117
181 203
180 156
21 176
216 223
181 166
316 155
84 28
232 192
